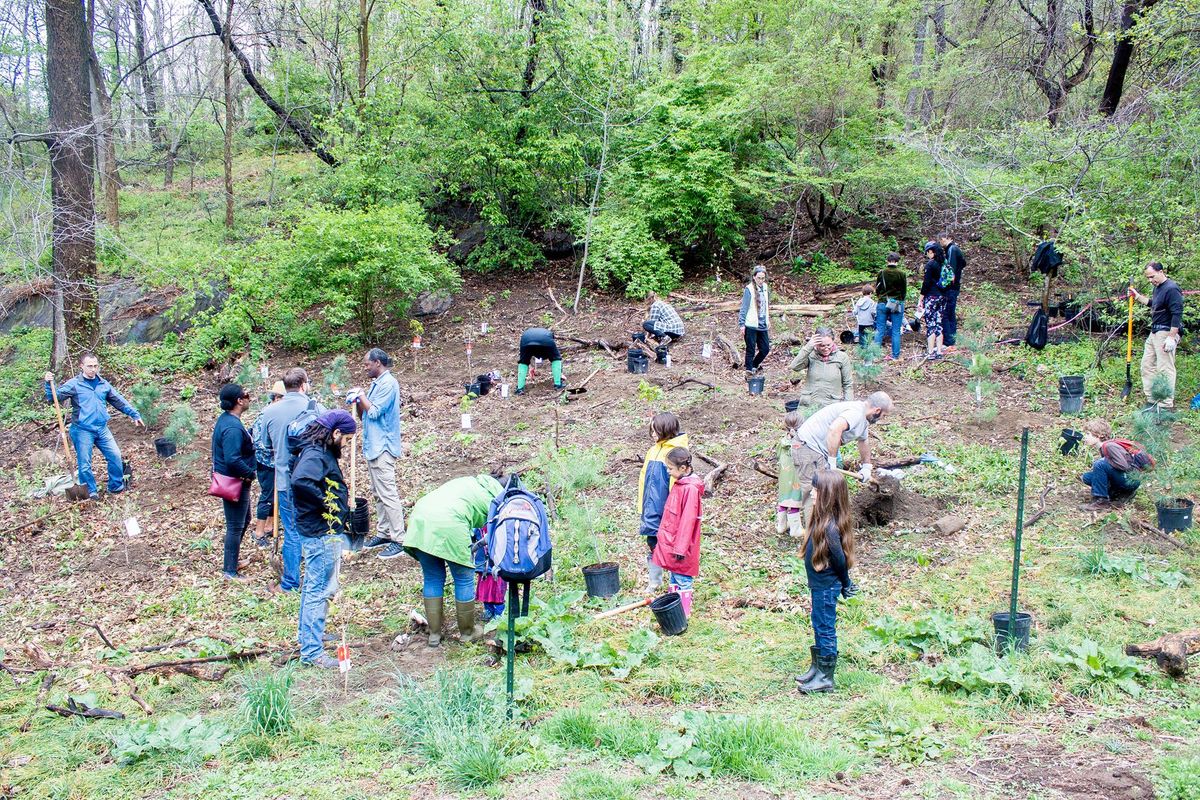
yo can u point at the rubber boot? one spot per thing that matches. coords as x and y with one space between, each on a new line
795 523
556 372
781 522
522 376
468 629
823 680
656 574
433 615
812 666
685 599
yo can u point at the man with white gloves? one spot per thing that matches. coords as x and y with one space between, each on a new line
1166 320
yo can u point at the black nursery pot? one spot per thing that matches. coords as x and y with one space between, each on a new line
1174 515
164 447
637 361
1071 440
1020 631
790 406
756 384
668 610
603 579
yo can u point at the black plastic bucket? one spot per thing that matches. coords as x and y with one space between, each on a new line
637 361
1071 440
472 389
164 447
660 354
1020 630
1175 517
756 384
127 472
603 579
846 337
1070 394
791 405
485 384
668 610
360 518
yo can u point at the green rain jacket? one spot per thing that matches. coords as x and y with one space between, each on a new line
441 522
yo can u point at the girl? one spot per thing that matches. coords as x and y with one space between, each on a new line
655 483
755 320
828 556
788 516
932 300
678 549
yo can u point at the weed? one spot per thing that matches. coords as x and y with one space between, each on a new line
903 740
979 671
1098 562
937 630
591 785
479 763
1101 670
650 393
173 735
1179 777
677 752
585 729
268 701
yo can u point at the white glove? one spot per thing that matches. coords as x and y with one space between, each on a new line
1169 344
353 395
864 473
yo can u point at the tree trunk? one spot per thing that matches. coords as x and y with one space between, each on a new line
227 67
536 9
110 178
881 72
72 157
916 96
1122 56
149 90
364 49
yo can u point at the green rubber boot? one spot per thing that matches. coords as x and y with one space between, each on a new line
433 615
468 629
522 376
556 371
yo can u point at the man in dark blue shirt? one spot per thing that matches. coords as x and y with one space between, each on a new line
957 262
1166 323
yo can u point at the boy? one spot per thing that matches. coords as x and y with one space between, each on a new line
863 311
1113 475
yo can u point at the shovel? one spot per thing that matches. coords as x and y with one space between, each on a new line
78 491
1128 353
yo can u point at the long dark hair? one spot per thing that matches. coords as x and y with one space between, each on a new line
832 505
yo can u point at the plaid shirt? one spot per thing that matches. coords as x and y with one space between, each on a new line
664 318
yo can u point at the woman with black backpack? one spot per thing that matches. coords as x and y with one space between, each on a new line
937 277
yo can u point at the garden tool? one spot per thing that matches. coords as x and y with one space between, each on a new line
78 491
1125 392
276 559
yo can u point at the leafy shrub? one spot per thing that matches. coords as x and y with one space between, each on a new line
1101 670
1180 778
624 253
23 359
650 393
936 630
505 248
145 399
182 426
903 740
869 249
268 701
979 671
173 735
829 272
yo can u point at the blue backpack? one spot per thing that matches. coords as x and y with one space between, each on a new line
518 535
296 427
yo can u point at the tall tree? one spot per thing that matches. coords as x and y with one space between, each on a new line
149 89
1048 64
110 176
1114 86
227 74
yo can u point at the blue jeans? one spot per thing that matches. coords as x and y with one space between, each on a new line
322 556
291 541
889 322
237 518
684 582
950 317
824 619
1107 481
84 440
433 572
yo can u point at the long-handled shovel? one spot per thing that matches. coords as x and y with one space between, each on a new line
78 491
1128 353
276 559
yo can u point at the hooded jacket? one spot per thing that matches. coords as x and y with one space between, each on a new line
654 484
314 474
90 400
827 380
679 533
441 522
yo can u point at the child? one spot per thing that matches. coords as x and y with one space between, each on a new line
828 556
489 589
1113 475
655 483
863 311
678 549
788 514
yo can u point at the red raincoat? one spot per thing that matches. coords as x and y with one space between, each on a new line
679 531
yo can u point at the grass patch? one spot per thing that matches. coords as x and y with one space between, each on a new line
268 701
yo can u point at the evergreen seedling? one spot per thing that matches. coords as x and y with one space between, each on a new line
182 426
145 400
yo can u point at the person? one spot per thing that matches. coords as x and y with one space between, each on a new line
654 484
1114 474
90 395
933 301
818 440
439 537
276 419
322 516
678 548
957 262
828 375
264 466
539 343
891 287
863 311
379 408
233 456
828 557
788 516
755 320
1166 322
664 324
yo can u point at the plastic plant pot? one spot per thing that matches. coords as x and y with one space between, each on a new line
1020 631
603 579
637 362
668 610
164 447
756 384
791 405
1174 515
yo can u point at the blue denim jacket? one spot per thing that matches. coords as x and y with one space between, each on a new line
89 402
381 423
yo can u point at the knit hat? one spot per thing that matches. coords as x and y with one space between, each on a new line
229 395
337 420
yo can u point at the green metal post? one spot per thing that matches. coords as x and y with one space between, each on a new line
1016 570
513 600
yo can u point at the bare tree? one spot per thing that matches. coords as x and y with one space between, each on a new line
227 75
149 90
1050 61
1114 86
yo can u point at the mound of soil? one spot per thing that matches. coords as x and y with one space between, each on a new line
884 501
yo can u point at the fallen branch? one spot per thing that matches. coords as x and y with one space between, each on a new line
33 522
554 300
766 472
1041 509
77 709
714 477
47 682
155 648
803 309
100 632
696 381
903 462
1161 534
599 344
1171 651
186 662
730 351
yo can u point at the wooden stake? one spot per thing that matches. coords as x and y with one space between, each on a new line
615 611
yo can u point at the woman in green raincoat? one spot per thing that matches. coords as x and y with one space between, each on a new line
789 513
438 535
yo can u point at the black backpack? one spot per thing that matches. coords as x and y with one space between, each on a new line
1039 330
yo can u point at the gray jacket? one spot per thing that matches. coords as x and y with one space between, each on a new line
276 418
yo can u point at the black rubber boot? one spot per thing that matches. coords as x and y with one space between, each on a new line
812 666
823 680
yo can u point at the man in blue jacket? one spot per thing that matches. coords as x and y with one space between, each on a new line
90 396
379 407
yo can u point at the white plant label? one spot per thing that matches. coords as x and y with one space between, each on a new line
504 390
132 528
483 327
466 422
668 359
707 351
264 372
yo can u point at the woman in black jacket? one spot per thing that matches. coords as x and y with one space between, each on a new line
933 300
233 455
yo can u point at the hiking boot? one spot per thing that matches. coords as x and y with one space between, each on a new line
1099 504
433 615
393 550
233 576
376 541
468 629
322 662
812 666
520 391
823 680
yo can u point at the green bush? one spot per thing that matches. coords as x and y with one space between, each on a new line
869 249
623 253
505 248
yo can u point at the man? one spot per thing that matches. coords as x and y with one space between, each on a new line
276 419
539 343
957 262
90 396
823 434
891 287
265 467
379 408
664 324
322 509
828 374
1166 321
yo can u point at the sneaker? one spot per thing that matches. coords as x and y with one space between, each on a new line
393 550
233 576
376 541
322 662
520 391
263 541
560 386
1099 504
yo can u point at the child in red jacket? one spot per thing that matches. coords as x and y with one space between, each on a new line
678 549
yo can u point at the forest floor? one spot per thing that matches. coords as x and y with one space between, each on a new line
923 709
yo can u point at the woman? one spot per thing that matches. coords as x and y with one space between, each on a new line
754 319
439 537
233 456
933 299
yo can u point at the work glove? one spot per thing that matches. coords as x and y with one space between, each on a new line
1169 344
353 395
850 590
864 473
